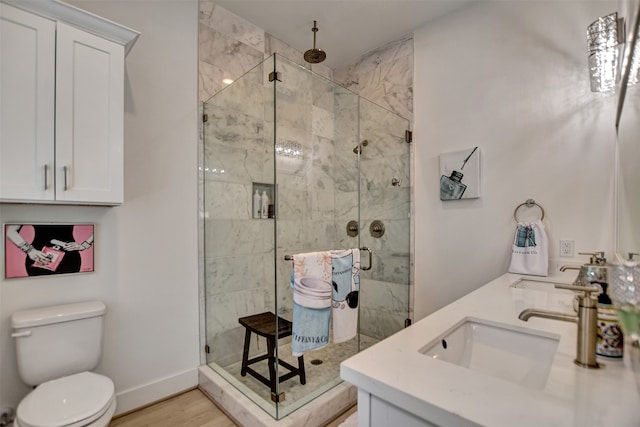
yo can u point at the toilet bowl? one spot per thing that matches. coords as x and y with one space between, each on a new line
80 400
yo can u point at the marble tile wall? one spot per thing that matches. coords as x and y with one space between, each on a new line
230 46
384 78
318 194
238 250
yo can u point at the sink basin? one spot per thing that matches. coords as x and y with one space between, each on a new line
508 352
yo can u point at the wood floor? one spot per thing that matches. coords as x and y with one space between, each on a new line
190 409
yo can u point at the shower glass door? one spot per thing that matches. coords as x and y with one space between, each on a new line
384 221
317 194
239 242
285 170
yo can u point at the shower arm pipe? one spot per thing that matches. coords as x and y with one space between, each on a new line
315 30
364 248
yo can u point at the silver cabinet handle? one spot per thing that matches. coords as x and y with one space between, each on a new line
21 334
46 177
364 248
65 170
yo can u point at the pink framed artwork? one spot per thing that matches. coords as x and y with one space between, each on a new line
47 249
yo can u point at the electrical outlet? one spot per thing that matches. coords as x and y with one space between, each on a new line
567 248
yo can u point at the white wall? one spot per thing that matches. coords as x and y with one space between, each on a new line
512 78
146 250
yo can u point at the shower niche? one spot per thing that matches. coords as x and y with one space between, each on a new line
262 206
254 126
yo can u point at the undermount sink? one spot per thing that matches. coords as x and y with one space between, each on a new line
508 352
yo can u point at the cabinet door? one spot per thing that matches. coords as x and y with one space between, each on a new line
27 96
89 118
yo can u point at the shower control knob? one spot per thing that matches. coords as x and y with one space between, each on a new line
352 228
376 229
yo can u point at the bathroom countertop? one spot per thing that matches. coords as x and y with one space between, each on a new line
394 370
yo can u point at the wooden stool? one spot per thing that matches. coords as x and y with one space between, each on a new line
264 324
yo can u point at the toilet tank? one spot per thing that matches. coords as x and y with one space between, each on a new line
52 342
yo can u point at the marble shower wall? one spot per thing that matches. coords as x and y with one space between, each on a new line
384 77
317 194
237 246
238 250
230 46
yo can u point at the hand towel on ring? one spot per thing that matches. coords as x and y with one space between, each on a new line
311 283
530 250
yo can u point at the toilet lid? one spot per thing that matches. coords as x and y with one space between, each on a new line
66 401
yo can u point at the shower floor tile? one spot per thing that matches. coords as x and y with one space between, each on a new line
320 377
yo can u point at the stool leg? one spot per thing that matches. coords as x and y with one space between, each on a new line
245 352
272 363
303 375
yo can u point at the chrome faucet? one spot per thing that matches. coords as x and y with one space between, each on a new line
586 319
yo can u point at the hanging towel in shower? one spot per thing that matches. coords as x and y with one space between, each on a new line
346 287
530 251
311 283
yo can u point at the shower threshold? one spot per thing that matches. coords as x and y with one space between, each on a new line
322 380
246 412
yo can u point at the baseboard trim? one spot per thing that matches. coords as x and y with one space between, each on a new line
139 397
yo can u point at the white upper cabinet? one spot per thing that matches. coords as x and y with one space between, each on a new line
89 117
27 96
61 104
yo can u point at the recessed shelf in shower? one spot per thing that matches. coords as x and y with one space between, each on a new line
263 205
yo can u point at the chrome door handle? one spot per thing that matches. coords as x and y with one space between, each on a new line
21 334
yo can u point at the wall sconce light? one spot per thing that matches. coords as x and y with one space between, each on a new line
634 70
604 37
289 149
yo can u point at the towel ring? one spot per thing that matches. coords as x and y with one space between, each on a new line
529 203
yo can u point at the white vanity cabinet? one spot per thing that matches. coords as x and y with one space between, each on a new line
376 412
61 104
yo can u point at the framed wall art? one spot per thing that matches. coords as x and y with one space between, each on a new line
47 249
460 174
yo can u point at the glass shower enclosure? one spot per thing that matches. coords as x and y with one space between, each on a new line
294 163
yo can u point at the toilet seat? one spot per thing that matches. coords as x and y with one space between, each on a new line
72 401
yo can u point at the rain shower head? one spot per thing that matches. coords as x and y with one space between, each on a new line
314 56
358 148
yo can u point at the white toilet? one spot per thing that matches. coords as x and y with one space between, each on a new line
56 347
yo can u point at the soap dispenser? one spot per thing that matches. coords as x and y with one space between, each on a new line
610 340
593 272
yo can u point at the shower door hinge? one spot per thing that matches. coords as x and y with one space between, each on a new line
621 30
207 349
205 118
408 136
276 398
407 322
275 75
